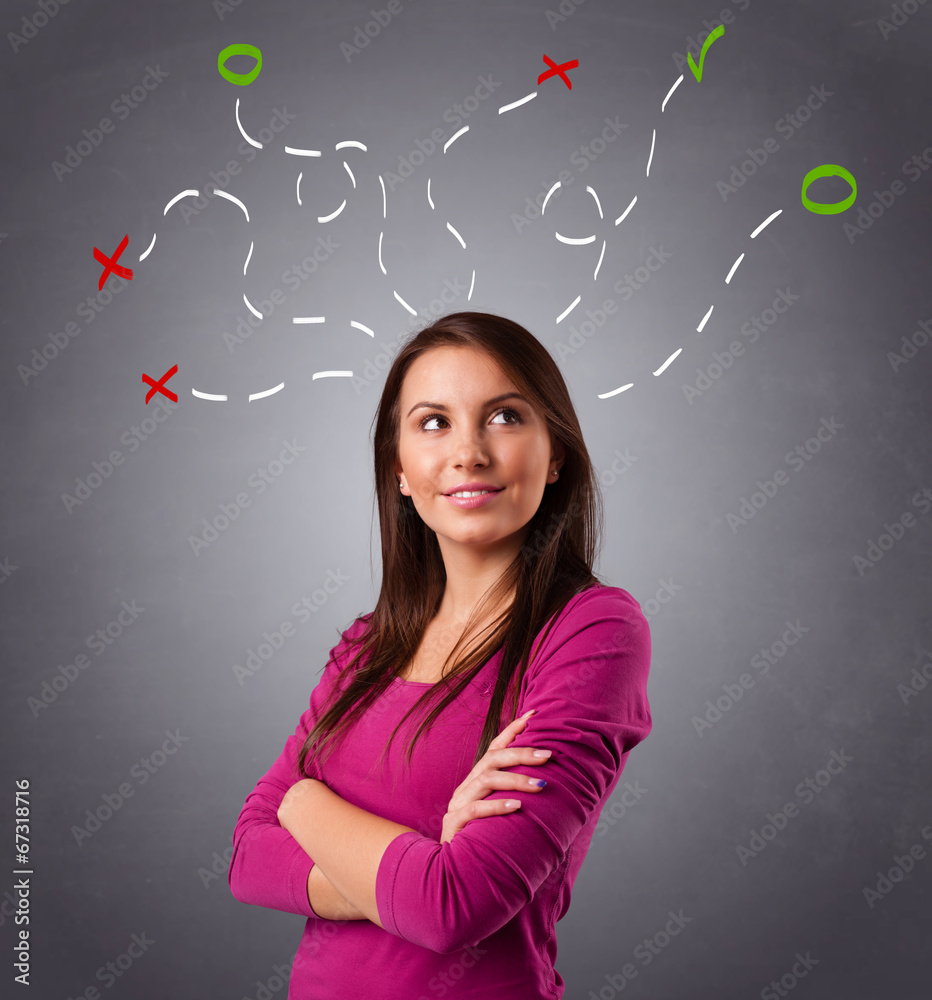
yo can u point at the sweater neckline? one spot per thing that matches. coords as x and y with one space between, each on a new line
479 679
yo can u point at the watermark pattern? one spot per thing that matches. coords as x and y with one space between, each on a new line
320 930
898 16
608 477
654 605
806 791
121 107
707 377
913 168
533 546
586 671
733 693
536 543
89 310
293 278
663 595
694 45
629 284
911 345
142 771
902 866
221 179
797 459
787 127
162 409
110 972
9 907
302 609
587 328
371 29
47 9
645 953
581 158
626 288
564 11
454 116
227 7
803 965
6 570
892 533
919 678
449 977
278 981
374 367
259 481
98 642
272 641
219 866
616 809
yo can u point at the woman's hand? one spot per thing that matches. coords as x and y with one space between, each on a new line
469 800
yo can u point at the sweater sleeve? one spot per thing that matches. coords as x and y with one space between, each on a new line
269 867
588 684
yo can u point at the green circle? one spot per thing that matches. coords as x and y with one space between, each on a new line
833 208
240 49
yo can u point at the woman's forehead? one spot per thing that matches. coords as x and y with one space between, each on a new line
450 368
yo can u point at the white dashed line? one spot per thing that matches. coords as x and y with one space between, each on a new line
239 125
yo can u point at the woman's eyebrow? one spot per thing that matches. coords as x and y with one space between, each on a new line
488 402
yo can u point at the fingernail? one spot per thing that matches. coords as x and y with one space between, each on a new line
541 753
526 714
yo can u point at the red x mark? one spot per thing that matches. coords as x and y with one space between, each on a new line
160 385
555 69
110 263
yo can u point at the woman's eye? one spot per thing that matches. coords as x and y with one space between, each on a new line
439 416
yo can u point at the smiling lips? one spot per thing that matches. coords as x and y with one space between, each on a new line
473 487
477 497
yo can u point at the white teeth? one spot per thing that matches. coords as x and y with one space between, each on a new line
479 494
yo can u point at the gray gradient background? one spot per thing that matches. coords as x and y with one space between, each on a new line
172 668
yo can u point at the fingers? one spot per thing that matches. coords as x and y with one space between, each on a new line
510 731
457 819
488 807
494 760
514 755
493 781
489 781
505 757
470 800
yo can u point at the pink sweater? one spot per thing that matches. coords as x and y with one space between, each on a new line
474 917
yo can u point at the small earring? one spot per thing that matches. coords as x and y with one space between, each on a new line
556 474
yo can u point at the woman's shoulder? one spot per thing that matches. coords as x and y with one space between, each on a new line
344 650
359 625
599 601
601 614
599 618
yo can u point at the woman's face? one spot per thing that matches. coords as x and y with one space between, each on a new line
466 438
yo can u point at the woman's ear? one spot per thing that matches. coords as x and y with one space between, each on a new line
558 457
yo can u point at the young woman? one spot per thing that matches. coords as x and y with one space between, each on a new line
489 510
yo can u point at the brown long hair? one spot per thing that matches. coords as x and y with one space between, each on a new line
553 565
